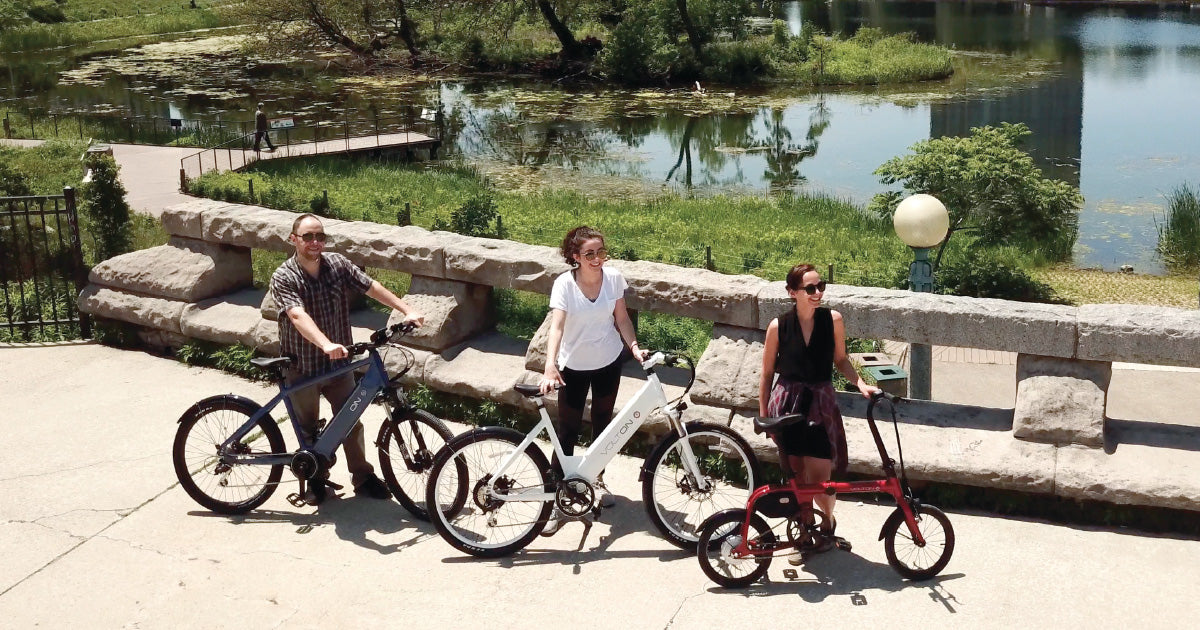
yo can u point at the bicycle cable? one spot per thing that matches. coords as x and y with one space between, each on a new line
900 449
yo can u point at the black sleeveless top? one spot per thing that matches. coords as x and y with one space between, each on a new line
806 364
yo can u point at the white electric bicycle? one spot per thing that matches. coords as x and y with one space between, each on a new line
500 491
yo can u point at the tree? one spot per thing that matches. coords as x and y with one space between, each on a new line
105 209
571 48
989 186
363 28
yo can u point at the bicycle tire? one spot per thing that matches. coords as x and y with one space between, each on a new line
202 430
919 562
411 439
666 486
466 519
719 534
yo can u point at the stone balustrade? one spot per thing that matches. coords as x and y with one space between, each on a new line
1055 440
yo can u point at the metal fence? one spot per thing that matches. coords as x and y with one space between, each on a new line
412 128
41 269
34 125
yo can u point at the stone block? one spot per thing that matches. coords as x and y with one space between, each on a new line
728 373
945 320
184 269
454 311
268 308
152 312
409 249
764 448
409 362
186 219
229 319
266 337
1133 474
484 368
690 292
503 264
535 355
1156 335
1061 401
252 226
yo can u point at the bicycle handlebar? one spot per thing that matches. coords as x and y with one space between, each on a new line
878 395
381 337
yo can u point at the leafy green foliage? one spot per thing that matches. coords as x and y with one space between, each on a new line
477 216
1179 235
233 359
988 276
13 181
991 186
105 209
46 13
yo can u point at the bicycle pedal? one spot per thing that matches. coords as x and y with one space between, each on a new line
296 500
843 544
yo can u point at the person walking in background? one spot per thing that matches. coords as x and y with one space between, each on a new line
589 328
312 290
260 129
803 346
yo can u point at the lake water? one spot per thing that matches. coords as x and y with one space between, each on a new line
1110 94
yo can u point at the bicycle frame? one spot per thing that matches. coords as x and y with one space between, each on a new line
373 381
804 493
633 415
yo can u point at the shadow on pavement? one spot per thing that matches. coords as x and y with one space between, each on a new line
626 517
353 520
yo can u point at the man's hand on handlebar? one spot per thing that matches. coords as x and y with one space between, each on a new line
414 318
334 350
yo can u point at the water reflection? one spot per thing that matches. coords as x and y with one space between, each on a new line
1114 113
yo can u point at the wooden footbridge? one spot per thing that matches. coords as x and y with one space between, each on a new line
403 136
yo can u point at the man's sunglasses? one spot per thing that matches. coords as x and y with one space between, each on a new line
601 253
813 288
309 237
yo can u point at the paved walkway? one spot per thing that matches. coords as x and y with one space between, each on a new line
95 532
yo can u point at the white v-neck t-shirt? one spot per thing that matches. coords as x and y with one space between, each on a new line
590 338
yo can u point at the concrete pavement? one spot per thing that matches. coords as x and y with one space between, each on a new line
94 531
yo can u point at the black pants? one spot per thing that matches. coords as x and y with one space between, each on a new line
603 382
259 136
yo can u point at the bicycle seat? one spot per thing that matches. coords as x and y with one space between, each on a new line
774 425
528 391
272 363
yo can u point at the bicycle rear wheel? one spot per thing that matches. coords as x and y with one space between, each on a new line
225 488
720 534
913 561
407 445
483 525
673 496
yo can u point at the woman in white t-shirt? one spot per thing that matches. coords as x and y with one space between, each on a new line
589 328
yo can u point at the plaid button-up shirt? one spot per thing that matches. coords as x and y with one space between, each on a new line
325 298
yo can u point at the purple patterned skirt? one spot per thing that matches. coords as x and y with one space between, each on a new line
787 397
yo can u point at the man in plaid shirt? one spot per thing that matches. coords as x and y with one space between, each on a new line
313 290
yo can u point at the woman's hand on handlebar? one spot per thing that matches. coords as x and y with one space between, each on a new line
551 380
867 390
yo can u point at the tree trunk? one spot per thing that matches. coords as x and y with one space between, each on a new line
334 32
693 37
570 48
408 32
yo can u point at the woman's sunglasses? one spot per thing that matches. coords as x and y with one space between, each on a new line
813 288
601 253
309 237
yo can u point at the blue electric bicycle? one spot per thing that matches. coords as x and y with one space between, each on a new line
229 453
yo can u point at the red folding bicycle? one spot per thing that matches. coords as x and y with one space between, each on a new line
736 546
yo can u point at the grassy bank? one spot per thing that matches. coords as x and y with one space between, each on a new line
93 21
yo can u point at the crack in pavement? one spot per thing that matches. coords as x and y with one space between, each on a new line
58 471
671 621
85 540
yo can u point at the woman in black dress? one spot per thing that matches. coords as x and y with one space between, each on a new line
803 346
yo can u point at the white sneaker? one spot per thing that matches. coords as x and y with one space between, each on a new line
555 523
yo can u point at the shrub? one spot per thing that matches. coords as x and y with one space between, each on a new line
989 277
46 13
1179 235
736 62
105 209
626 56
13 181
474 217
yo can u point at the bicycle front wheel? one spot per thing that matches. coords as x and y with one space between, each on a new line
407 445
485 525
720 534
913 561
221 487
678 500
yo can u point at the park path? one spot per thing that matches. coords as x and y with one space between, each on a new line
95 532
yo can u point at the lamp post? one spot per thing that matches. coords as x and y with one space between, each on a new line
921 221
